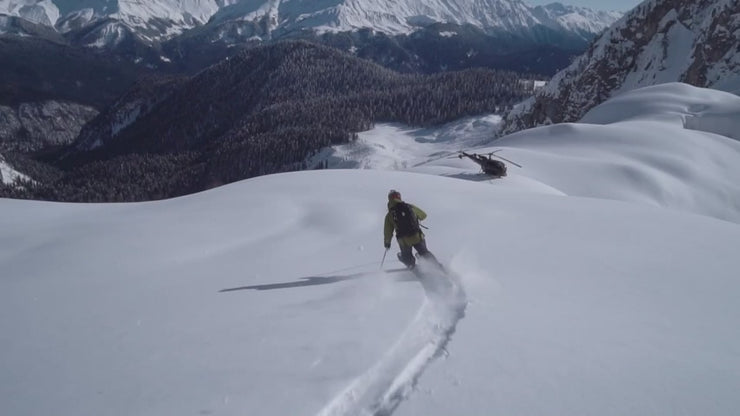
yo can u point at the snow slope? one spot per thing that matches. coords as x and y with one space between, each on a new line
669 145
266 297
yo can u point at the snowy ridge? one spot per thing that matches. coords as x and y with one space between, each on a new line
150 20
576 19
403 17
22 27
76 20
110 34
158 20
37 11
164 18
657 42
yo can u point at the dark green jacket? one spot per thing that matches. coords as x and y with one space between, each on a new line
390 227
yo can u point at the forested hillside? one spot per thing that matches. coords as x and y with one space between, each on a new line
264 111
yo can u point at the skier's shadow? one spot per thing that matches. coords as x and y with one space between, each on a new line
320 280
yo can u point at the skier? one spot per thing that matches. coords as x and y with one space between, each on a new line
403 218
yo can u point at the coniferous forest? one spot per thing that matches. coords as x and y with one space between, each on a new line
265 110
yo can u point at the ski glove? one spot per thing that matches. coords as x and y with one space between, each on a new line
387 245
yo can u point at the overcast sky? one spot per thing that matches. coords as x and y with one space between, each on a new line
621 5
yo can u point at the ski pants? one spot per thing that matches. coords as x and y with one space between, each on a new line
407 255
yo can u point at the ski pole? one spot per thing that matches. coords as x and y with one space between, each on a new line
383 261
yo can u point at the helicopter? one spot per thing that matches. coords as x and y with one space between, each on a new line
489 165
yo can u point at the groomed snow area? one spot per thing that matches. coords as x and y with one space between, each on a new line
599 279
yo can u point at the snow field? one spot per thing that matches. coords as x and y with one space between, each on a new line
601 278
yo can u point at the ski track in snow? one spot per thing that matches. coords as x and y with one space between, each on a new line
381 389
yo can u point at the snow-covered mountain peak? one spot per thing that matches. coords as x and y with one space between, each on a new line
399 17
156 20
37 11
185 12
391 17
151 20
697 42
576 18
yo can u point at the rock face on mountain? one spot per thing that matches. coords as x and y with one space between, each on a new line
32 126
19 26
579 20
691 41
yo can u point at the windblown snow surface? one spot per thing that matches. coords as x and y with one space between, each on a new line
601 278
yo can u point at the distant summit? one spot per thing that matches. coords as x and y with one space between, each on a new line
407 16
424 36
106 23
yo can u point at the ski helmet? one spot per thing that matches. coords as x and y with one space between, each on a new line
393 194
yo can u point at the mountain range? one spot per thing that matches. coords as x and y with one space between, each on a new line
160 20
171 34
